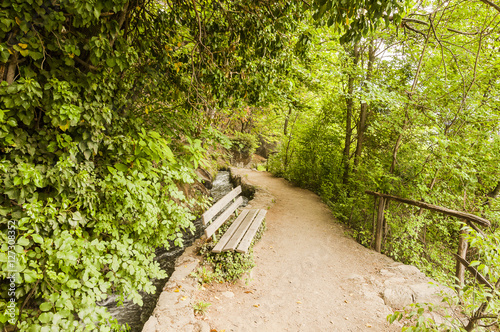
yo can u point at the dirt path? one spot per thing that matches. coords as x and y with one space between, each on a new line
308 277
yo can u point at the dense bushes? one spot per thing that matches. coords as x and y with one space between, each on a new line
91 189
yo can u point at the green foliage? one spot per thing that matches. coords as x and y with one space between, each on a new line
358 18
200 308
244 143
205 276
261 168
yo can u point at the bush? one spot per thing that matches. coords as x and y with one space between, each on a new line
244 143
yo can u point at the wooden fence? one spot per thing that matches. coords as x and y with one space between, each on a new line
472 220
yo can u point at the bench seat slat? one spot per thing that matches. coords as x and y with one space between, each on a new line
219 205
240 232
227 235
210 230
252 230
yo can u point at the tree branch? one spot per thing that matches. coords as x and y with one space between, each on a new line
87 65
491 4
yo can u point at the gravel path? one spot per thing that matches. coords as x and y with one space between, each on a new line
309 275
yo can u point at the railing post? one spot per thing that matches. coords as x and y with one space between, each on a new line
462 252
380 224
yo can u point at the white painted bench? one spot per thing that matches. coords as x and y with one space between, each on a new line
240 234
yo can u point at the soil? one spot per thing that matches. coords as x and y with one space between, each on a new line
309 275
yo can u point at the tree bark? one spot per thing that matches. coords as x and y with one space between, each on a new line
349 110
11 69
285 126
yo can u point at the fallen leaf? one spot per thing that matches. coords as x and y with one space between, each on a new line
249 292
368 325
184 298
299 302
177 290
256 305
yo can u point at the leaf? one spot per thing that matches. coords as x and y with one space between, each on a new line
65 127
474 263
22 241
37 238
110 62
73 283
23 45
121 167
169 154
45 317
45 306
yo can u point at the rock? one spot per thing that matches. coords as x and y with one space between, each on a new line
166 299
372 297
393 281
387 273
398 296
150 325
436 318
426 293
184 269
229 295
408 270
205 176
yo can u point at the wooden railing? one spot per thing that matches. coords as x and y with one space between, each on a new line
469 218
460 256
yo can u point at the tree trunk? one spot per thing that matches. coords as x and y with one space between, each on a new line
285 126
364 107
11 69
349 110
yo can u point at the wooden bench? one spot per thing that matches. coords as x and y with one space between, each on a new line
240 234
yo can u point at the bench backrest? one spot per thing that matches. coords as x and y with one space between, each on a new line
212 211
